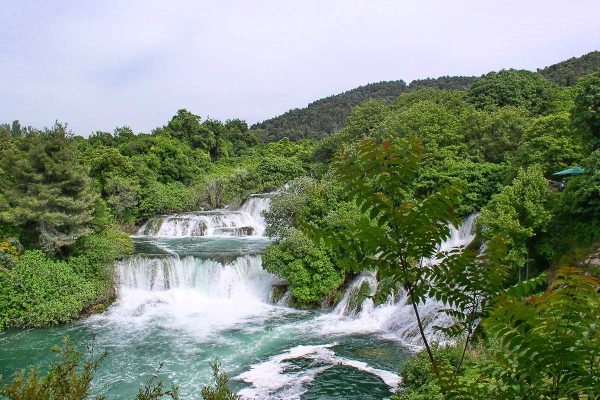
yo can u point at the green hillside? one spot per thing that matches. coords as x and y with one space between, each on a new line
567 73
325 116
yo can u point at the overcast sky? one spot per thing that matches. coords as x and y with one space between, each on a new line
101 64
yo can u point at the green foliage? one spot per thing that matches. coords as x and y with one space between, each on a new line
483 180
101 249
435 118
68 378
518 213
513 88
549 142
163 198
47 190
324 117
586 113
548 345
418 376
303 199
39 291
582 194
220 390
567 73
397 230
276 171
306 267
123 193
493 135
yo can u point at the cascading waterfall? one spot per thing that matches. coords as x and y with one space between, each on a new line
247 221
195 290
242 276
358 296
396 316
199 288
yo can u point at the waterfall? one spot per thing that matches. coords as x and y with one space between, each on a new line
204 278
207 276
247 221
396 316
461 236
192 293
254 207
358 296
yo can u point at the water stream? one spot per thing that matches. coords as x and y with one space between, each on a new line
195 291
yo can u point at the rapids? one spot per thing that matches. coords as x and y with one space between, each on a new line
195 291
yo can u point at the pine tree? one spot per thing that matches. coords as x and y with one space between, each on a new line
48 191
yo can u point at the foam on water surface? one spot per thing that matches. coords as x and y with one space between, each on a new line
276 378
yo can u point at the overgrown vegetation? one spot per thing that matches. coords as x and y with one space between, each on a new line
378 193
64 199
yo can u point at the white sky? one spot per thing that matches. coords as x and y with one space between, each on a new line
101 64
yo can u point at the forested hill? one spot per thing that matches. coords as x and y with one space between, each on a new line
567 73
325 116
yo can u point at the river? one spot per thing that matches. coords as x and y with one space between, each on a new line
194 292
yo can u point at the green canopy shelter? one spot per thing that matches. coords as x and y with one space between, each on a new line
569 172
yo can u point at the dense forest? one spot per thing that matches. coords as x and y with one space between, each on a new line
367 180
323 117
567 73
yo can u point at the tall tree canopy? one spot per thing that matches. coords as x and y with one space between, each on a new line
47 190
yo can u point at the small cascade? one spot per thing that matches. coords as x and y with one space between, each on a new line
358 296
211 281
247 221
396 316
243 275
461 236
254 207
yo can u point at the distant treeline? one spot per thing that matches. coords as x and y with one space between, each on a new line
325 116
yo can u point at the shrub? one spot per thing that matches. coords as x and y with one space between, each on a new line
305 266
39 291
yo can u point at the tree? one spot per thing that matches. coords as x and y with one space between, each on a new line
513 88
550 142
494 135
306 267
239 136
548 345
186 127
48 190
518 213
586 112
581 198
398 232
172 160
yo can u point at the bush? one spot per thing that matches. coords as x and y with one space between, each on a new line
100 250
162 198
39 291
418 378
275 171
305 266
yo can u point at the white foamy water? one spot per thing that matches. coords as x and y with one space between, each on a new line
247 221
395 319
200 296
276 378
